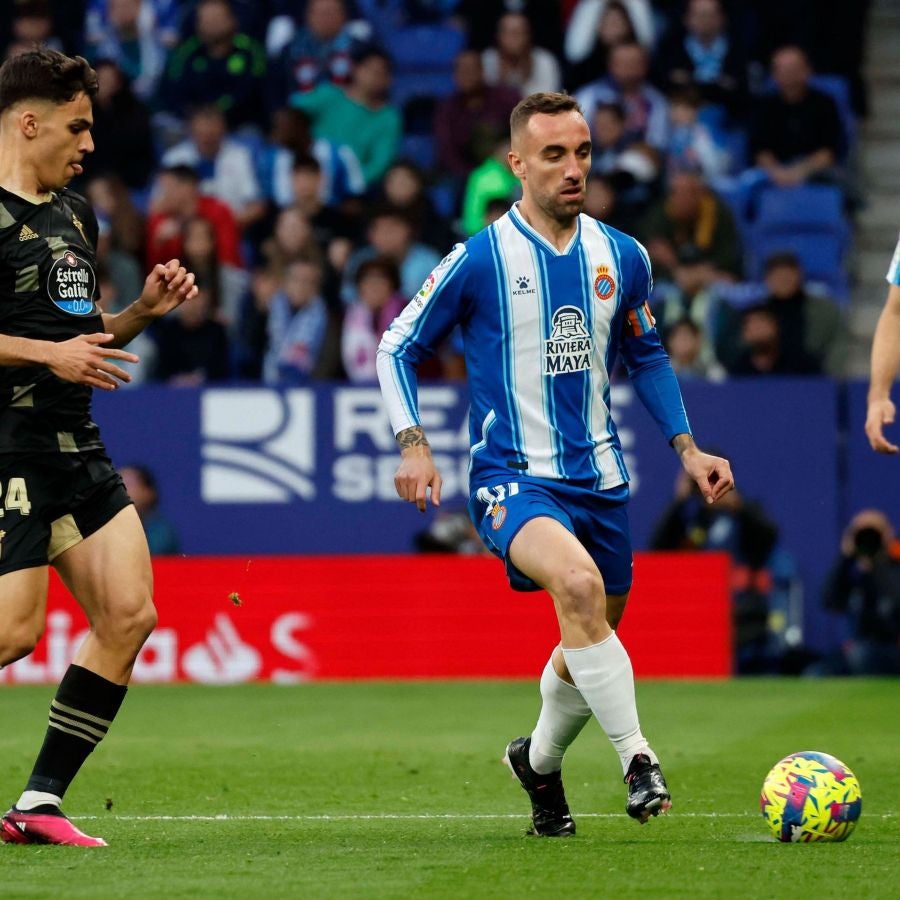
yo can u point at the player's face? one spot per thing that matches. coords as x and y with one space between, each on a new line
552 156
62 138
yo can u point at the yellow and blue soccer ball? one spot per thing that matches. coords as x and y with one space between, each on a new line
810 796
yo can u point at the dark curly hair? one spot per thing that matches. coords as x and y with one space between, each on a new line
43 74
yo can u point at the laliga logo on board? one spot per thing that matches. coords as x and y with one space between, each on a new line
604 283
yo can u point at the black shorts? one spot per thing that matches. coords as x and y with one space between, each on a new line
50 502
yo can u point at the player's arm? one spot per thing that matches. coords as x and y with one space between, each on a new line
885 365
83 359
654 381
167 286
412 337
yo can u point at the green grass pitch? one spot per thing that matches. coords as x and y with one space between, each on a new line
396 790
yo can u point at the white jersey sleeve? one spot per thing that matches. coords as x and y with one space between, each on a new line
415 335
893 274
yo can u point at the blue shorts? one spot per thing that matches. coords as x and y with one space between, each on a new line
598 519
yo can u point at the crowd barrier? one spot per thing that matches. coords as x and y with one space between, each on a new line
225 620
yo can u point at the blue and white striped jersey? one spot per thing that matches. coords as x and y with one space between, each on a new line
541 330
893 274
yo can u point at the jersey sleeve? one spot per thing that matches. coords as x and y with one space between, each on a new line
893 273
417 332
645 358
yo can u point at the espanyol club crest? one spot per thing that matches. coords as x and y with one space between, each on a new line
71 284
604 283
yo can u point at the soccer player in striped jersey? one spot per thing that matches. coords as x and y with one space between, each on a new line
546 297
885 364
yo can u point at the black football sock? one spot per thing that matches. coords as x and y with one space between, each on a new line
80 715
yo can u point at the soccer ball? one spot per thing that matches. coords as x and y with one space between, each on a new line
810 796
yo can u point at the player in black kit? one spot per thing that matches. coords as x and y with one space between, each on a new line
61 501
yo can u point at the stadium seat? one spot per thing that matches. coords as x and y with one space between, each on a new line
837 87
423 57
809 221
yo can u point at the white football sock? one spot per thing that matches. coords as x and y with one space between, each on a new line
603 674
564 713
31 799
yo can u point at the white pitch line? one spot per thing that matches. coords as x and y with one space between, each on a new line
393 816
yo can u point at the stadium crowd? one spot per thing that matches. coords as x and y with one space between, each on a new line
312 161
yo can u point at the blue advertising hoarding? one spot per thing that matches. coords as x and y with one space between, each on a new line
260 470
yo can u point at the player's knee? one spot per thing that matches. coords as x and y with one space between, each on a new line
18 640
129 626
580 592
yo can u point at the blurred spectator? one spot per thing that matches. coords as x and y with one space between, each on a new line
319 51
692 214
177 198
218 65
290 139
358 115
809 324
763 349
481 18
32 23
328 223
690 294
685 342
741 528
135 35
864 585
297 326
692 146
796 132
114 298
192 346
450 532
515 62
646 110
140 483
702 54
250 338
492 180
391 234
601 201
124 143
378 302
631 165
225 284
595 27
224 165
403 188
469 123
292 239
117 214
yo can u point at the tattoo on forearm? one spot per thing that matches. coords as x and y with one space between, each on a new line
412 437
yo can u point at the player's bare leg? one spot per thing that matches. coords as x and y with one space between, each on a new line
109 574
23 606
590 654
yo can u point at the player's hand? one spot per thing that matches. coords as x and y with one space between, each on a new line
711 473
84 360
415 475
167 286
879 414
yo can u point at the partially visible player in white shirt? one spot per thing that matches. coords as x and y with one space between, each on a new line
546 297
885 364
